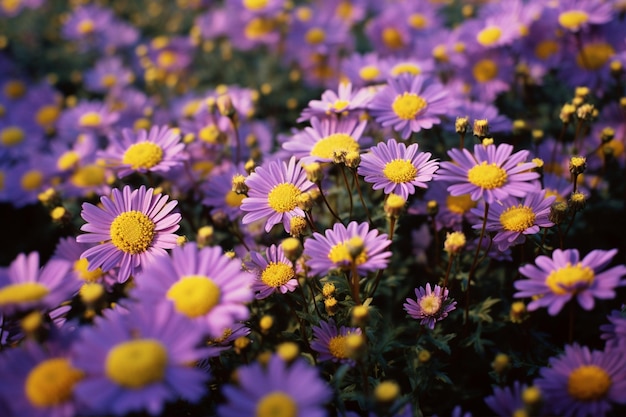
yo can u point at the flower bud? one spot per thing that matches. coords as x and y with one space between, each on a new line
331 305
461 125
501 363
386 392
352 159
432 207
586 111
577 165
360 315
481 128
313 172
454 243
607 134
239 184
297 226
328 290
558 212
577 201
518 312
567 111
288 351
394 205
292 248
204 236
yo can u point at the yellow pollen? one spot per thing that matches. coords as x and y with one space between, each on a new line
485 70
489 36
143 155
569 278
418 21
132 232
86 27
109 80
344 10
488 176
340 105
315 36
254 4
369 72
232 199
460 204
277 274
337 142
209 134
408 105
258 27
277 404
392 38
337 347
400 171
440 53
573 19
430 304
340 253
24 292
546 49
11 136
14 89
166 59
90 119
32 180
136 363
283 197
68 160
81 268
88 176
194 295
405 68
47 115
589 383
517 219
51 382
594 56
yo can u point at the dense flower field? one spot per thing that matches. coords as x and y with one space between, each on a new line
282 208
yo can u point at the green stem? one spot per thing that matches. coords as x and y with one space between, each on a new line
472 270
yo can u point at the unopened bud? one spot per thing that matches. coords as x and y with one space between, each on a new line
518 312
582 92
481 128
288 351
487 141
432 207
558 212
249 166
519 126
304 201
204 236
355 247
387 391
586 111
297 226
331 305
181 240
225 105
355 344
91 292
577 165
616 68
461 125
501 363
292 248
352 159
394 205
360 315
265 323
577 201
607 134
241 343
537 135
239 184
567 111
313 172
328 290
424 356
454 243
32 322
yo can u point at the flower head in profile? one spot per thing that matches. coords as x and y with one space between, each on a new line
410 103
396 168
138 360
583 383
344 101
276 389
330 341
274 189
615 332
430 305
574 15
156 150
204 285
342 247
492 172
552 282
131 227
274 272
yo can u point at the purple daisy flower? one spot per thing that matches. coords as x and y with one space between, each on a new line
582 383
277 388
86 117
555 281
410 103
514 218
507 401
158 150
396 168
574 15
274 191
492 172
24 285
325 138
342 102
69 250
139 360
364 69
615 332
329 341
204 285
430 306
333 249
108 74
132 227
274 272
219 194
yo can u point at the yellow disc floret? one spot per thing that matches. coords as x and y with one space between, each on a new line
485 70
315 36
143 155
517 218
573 19
194 295
90 119
255 4
32 180
568 278
337 142
489 36
430 304
588 383
132 232
11 136
392 38
23 292
81 268
488 176
369 72
51 382
337 347
408 105
400 171
136 363
283 197
460 204
276 404
277 274
594 56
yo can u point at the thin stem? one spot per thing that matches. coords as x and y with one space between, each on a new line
448 268
345 179
436 238
572 314
358 188
470 275
355 284
392 226
319 185
312 289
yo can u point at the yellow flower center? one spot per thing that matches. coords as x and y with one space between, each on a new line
337 347
440 53
408 105
405 68
88 176
400 171
136 363
339 105
594 56
616 146
14 89
22 293
143 155
90 119
337 142
315 36
418 21
109 80
258 27
369 72
517 219
81 267
194 295
277 404
485 70
573 19
276 274
68 160
51 382
344 10
232 199
460 204
489 36
392 38
567 278
254 4
283 197
209 134
86 27
32 180
546 49
166 59
11 136
340 253
430 304
488 176
132 232
588 383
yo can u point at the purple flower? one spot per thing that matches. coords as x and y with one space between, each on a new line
615 332
507 401
329 341
582 383
344 101
396 168
430 306
574 15
552 282
276 389
132 227
275 273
